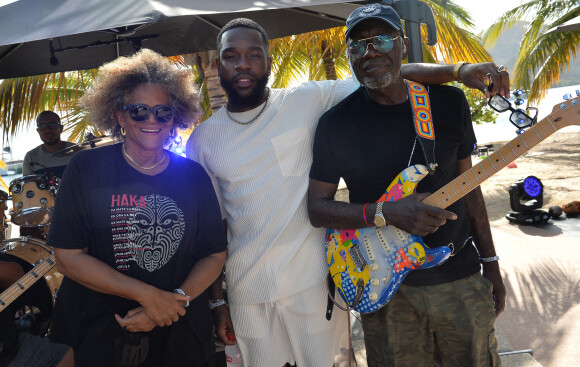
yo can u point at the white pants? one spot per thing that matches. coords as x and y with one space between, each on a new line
291 330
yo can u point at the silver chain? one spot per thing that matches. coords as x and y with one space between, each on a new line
255 118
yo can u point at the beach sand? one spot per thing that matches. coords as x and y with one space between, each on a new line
556 162
541 264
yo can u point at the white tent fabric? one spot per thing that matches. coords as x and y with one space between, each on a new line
39 37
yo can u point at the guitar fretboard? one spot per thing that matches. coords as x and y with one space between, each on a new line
474 177
16 289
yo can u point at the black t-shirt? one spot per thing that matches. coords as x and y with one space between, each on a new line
369 144
153 228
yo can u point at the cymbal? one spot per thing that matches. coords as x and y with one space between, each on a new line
85 145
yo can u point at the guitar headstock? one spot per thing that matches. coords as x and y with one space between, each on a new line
567 112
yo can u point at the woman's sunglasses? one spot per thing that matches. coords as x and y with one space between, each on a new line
140 112
518 118
382 44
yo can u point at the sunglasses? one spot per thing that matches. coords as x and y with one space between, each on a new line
518 118
382 44
140 112
47 125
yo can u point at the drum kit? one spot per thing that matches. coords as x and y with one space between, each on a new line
33 200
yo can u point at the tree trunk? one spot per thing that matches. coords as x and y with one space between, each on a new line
205 65
328 61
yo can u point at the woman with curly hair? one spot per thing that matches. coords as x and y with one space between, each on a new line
137 230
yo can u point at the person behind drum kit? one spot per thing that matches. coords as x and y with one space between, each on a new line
19 348
137 230
40 160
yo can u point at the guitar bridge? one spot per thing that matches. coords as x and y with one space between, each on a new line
357 257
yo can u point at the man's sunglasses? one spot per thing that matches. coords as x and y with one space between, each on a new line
382 44
47 125
140 112
518 118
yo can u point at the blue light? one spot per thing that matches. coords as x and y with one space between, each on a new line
519 102
532 186
518 92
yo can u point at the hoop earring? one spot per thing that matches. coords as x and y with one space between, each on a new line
123 132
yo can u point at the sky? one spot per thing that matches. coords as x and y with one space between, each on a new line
484 13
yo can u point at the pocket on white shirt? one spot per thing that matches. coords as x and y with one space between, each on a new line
292 151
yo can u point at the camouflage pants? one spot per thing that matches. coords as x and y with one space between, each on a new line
451 323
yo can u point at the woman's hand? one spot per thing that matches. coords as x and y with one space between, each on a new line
164 308
136 320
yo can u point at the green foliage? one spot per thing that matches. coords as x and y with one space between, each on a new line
480 111
542 56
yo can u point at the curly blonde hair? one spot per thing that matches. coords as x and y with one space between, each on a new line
116 79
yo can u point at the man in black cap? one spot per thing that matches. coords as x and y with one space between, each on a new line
444 314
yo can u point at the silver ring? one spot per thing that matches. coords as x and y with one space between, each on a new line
501 68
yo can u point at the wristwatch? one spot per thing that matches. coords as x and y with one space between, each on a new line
379 217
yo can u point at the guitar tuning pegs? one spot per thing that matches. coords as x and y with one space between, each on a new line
567 96
578 92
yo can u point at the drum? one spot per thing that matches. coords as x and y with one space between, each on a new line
39 298
3 225
32 251
33 200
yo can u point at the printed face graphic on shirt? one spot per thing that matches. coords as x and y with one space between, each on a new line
153 228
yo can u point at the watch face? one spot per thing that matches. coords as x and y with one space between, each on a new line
380 221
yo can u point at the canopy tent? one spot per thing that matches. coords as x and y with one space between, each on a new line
570 26
40 37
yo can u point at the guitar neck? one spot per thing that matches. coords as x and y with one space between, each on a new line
15 290
474 177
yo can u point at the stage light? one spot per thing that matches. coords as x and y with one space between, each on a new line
526 199
529 188
175 145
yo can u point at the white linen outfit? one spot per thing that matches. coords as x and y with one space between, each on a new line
260 174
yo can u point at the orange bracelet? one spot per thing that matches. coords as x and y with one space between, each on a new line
364 215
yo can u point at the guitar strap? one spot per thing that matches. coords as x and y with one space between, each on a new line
423 122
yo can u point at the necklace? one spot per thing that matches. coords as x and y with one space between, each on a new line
140 166
255 118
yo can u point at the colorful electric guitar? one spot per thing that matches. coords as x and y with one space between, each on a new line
369 264
15 290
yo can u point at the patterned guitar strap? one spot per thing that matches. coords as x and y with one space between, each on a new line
423 122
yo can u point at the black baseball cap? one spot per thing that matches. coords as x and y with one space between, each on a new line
374 11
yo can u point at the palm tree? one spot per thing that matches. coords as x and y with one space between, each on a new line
312 56
542 57
22 99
